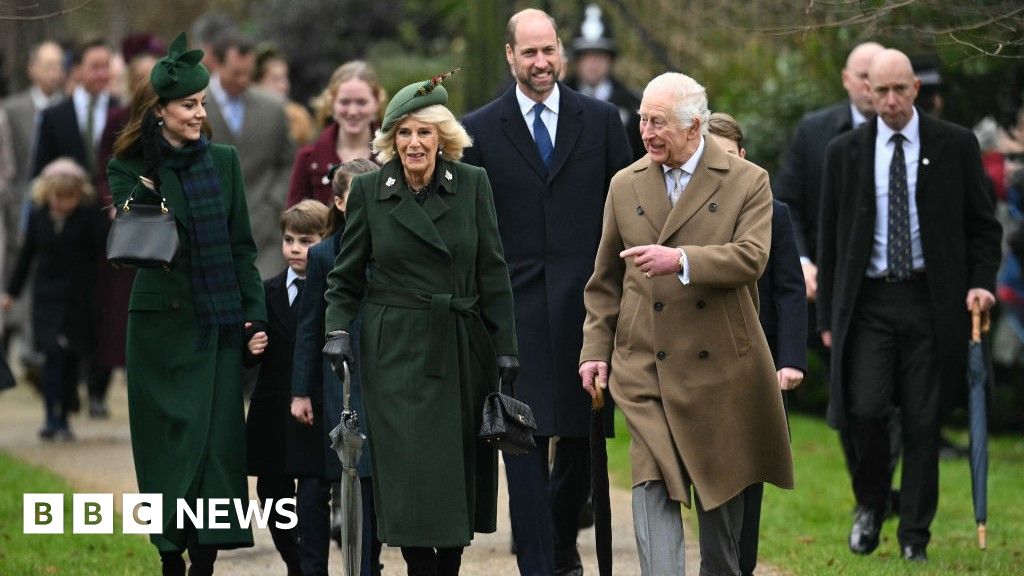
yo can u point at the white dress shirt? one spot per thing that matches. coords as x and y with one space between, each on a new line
231 108
689 167
878 266
549 116
293 290
99 113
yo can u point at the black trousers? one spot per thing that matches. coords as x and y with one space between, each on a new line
545 506
432 561
890 360
285 540
314 510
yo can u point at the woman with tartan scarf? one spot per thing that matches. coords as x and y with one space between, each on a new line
186 324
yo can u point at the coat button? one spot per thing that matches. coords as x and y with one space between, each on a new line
713 207
658 306
701 304
175 305
703 354
639 210
661 355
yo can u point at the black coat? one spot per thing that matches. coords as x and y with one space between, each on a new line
782 294
628 104
64 276
550 225
277 444
799 181
960 238
58 136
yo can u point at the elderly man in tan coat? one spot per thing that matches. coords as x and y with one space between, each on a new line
672 326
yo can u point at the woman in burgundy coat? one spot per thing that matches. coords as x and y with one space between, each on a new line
350 109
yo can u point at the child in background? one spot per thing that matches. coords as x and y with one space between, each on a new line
61 246
316 391
275 442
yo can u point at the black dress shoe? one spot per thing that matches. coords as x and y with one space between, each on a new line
867 524
915 553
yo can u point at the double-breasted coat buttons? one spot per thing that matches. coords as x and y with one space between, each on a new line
661 355
703 354
658 306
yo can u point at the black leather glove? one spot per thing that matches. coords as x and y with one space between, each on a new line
338 348
508 369
149 140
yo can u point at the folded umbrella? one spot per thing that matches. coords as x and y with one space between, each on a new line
599 485
977 409
347 441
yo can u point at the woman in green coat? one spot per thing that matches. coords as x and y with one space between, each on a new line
185 325
422 256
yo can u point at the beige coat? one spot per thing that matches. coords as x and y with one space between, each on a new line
708 411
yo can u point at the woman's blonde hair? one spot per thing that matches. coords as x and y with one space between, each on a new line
62 177
452 137
323 104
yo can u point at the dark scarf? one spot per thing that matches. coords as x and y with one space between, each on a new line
215 291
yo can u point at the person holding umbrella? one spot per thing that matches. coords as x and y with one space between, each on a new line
908 242
422 257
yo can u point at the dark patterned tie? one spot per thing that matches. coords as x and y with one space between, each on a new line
898 245
299 283
541 135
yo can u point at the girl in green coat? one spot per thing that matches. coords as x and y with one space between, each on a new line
422 256
185 325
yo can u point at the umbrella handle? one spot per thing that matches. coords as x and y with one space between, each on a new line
975 321
597 402
346 387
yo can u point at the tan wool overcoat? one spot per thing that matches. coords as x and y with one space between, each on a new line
690 366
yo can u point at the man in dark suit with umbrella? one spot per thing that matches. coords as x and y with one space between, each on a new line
908 241
550 153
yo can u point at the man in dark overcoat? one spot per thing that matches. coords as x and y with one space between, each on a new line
908 240
550 176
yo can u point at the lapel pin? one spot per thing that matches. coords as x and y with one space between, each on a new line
447 175
390 182
924 161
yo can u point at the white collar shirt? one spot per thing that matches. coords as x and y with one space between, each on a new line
878 266
549 116
99 119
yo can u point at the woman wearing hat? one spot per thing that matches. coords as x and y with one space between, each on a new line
185 325
422 256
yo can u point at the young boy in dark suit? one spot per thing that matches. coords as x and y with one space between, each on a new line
274 440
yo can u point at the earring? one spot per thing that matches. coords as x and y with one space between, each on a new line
160 122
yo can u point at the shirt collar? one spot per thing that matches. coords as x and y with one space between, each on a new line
911 131
218 91
292 277
81 98
526 104
856 118
690 166
42 101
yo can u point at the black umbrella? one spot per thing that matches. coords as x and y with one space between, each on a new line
977 411
347 441
599 485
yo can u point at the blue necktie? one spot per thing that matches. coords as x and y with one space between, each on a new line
541 135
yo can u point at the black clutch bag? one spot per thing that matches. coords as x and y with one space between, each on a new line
143 235
507 424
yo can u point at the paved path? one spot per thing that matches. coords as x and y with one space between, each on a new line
101 461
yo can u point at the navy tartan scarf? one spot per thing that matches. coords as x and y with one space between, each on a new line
215 292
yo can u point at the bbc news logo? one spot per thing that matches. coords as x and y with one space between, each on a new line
144 513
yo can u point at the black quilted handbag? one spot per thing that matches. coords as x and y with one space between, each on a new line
143 235
508 424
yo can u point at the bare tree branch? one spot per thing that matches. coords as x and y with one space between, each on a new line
54 14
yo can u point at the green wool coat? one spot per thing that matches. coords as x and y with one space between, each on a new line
185 405
437 311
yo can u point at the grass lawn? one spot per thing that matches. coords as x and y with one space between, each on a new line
55 554
804 531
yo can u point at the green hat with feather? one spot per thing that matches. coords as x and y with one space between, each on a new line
180 73
415 96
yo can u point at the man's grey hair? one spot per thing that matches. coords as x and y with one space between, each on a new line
691 100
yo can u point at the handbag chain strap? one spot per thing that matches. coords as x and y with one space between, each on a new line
151 186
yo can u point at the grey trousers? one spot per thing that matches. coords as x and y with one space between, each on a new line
658 524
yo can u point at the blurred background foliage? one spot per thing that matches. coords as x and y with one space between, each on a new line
767 62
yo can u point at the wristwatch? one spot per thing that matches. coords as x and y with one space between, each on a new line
682 258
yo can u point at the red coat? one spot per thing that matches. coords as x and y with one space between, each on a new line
309 173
